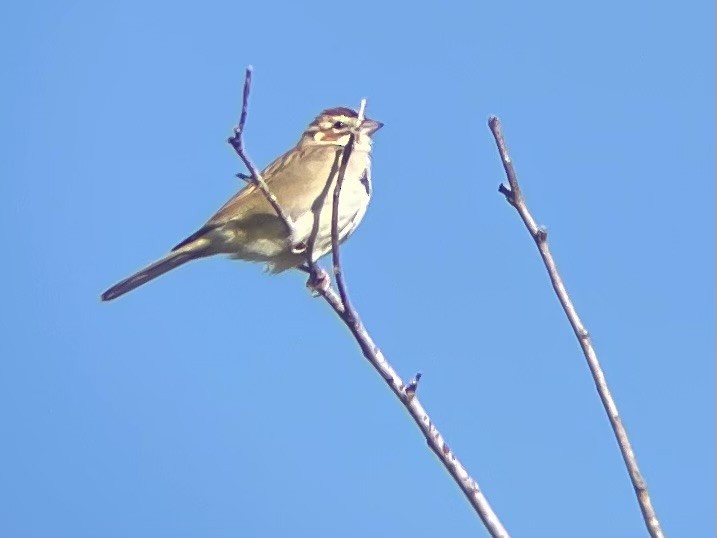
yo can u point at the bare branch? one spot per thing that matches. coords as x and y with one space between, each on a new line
514 196
237 142
406 394
320 283
420 416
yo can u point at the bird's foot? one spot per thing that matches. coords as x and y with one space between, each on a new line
318 281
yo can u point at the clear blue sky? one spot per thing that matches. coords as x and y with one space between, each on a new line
221 402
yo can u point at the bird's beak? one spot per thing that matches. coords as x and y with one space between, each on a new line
370 126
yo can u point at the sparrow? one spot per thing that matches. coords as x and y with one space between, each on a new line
303 181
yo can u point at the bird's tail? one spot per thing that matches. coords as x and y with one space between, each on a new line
158 268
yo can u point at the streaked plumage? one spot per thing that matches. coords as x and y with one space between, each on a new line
303 180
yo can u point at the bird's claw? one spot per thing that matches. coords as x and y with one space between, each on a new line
318 281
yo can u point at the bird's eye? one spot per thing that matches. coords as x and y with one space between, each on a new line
339 125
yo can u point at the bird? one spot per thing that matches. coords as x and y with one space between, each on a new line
248 228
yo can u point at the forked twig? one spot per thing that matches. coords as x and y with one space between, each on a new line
237 142
406 393
514 196
342 306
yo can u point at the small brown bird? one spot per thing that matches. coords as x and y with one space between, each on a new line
248 228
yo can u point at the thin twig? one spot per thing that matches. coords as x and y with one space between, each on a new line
406 394
237 142
410 400
335 253
514 196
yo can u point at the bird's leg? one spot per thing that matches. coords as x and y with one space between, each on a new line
318 281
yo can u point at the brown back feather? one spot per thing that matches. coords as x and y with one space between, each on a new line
340 111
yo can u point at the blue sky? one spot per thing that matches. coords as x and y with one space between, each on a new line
219 401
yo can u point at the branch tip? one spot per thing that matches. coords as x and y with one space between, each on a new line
362 111
540 234
237 143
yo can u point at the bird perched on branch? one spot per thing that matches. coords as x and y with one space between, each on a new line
303 179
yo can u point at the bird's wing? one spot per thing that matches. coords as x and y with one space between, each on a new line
250 198
301 174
